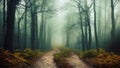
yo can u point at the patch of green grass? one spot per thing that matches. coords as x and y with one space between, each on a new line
60 58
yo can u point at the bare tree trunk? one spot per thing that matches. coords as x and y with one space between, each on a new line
113 47
89 26
49 37
95 29
36 19
19 31
33 26
86 36
19 34
42 27
25 26
4 25
105 18
4 18
83 39
67 37
11 8
99 22
113 21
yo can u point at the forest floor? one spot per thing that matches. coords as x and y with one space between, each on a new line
47 60
59 58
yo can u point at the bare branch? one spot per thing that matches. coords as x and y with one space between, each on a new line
21 18
116 3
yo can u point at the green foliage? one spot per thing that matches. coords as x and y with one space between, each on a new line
90 53
60 58
64 52
29 53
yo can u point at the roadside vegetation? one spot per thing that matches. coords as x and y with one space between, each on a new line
102 59
18 58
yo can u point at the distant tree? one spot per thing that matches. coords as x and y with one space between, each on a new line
113 21
82 26
43 26
4 17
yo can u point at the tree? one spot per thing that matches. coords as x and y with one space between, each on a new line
33 24
95 28
4 17
42 27
113 21
25 25
10 20
81 25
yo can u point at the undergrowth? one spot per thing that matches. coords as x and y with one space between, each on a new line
60 58
102 59
9 59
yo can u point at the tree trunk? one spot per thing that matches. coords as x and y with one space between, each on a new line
19 34
3 24
33 28
113 21
99 23
25 26
83 40
8 41
42 27
95 29
89 26
86 33
36 19
113 47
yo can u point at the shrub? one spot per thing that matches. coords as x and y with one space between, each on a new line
90 53
103 59
9 59
59 58
29 53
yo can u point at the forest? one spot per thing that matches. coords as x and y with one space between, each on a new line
59 34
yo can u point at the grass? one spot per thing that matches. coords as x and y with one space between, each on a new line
60 58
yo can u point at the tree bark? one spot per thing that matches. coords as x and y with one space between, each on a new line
33 26
95 28
25 26
89 26
3 24
83 39
113 21
11 8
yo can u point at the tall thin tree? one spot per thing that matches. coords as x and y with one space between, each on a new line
95 28
113 21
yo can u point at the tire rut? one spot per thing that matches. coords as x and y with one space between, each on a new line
74 62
